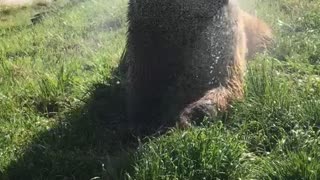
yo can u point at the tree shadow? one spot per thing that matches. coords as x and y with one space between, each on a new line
91 141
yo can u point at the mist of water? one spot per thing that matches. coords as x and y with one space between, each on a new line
247 5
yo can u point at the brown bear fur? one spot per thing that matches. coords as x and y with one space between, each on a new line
259 34
184 59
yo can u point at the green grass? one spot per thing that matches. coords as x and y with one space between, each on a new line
60 104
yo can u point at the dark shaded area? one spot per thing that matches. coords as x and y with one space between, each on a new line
5 12
89 141
47 108
37 18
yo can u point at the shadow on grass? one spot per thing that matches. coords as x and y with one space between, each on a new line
91 141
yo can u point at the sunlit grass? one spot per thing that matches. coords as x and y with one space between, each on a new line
56 86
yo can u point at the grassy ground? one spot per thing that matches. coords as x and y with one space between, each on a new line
60 104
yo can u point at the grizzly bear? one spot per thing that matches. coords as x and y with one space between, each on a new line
184 60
